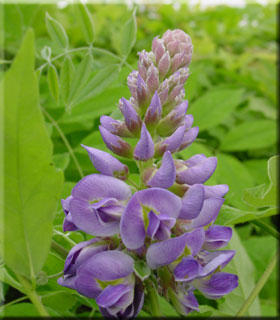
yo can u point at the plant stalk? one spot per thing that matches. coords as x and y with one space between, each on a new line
258 287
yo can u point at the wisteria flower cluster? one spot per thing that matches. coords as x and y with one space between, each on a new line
161 237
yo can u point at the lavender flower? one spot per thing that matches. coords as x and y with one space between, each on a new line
167 226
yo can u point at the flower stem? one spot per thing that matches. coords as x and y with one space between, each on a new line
258 287
33 296
266 227
59 249
64 139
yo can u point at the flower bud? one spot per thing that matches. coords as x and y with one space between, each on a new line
132 120
158 48
164 65
152 80
115 144
153 112
144 149
189 137
115 126
144 63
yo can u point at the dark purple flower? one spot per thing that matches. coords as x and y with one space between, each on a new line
106 163
97 204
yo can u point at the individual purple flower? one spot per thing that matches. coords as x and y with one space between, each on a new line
144 149
165 176
97 204
217 237
136 218
115 144
218 285
106 163
153 112
132 120
115 126
196 169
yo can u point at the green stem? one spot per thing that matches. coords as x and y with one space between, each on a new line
152 297
33 296
59 249
13 302
64 139
258 287
266 227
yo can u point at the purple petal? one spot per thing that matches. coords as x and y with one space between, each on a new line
86 285
208 213
188 120
144 149
141 90
132 226
196 159
213 260
187 270
114 126
218 191
218 285
189 137
195 240
153 113
112 294
80 253
192 202
159 226
108 265
163 253
189 302
198 173
173 142
217 237
131 117
95 186
115 143
106 163
68 224
165 176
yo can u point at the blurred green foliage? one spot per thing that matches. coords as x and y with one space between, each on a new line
83 57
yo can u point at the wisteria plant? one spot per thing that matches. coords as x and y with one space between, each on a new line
158 236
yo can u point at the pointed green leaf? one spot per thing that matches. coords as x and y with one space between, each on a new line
141 269
56 32
66 76
53 82
31 183
128 33
86 22
250 136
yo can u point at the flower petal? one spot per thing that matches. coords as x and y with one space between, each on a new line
97 186
208 213
218 285
108 265
144 149
153 113
195 240
106 163
192 202
163 253
132 120
187 270
217 237
218 191
111 294
165 176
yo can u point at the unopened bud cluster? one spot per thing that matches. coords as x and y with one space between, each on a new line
162 237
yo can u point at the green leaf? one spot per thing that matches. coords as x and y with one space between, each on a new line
128 35
81 76
214 106
141 269
86 22
242 266
31 183
23 309
66 76
53 82
56 32
166 309
261 196
250 135
60 301
61 160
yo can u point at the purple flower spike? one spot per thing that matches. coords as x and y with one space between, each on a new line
217 237
68 224
218 285
115 126
115 144
198 170
171 143
208 213
132 120
218 191
159 226
95 216
165 252
192 202
144 149
165 176
135 217
187 270
153 113
106 163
